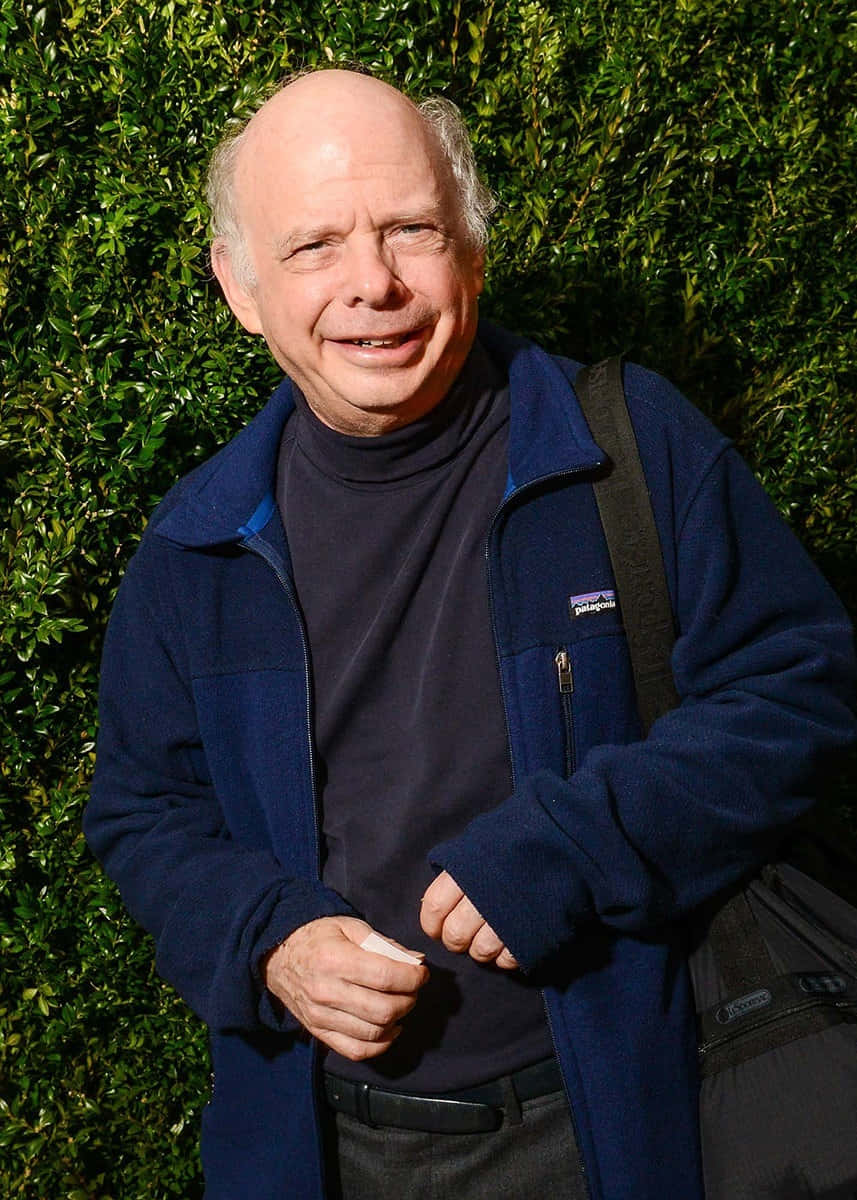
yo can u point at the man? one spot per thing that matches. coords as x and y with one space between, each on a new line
323 721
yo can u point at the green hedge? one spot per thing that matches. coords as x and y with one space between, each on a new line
677 182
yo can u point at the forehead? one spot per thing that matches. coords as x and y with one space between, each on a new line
382 157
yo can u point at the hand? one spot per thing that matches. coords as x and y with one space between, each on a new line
350 999
448 915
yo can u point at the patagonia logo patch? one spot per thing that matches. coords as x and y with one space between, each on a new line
743 1006
591 602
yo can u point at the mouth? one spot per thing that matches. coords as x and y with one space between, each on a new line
390 341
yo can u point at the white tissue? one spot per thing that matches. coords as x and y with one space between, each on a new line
378 946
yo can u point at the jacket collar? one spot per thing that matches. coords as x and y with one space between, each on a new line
548 434
231 496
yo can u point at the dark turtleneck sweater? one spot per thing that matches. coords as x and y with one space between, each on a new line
388 538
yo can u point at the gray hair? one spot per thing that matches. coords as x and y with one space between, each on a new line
477 202
441 117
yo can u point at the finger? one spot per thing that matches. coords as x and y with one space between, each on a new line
506 960
486 946
377 973
345 959
440 898
461 926
378 1008
360 1024
327 1000
353 1048
321 1021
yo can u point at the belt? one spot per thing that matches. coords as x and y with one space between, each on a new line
468 1110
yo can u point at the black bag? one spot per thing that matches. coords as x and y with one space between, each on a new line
774 966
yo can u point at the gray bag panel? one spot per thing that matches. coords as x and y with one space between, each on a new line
781 1121
783 1125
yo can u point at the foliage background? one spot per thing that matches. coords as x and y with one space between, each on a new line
677 182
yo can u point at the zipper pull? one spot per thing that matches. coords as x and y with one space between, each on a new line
563 672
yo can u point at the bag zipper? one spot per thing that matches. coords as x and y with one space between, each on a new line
778 1016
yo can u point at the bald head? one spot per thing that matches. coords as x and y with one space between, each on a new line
327 102
327 106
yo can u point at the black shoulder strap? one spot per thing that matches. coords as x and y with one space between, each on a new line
637 559
632 539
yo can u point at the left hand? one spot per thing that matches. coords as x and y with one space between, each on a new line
448 916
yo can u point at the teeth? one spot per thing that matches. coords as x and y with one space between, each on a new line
376 342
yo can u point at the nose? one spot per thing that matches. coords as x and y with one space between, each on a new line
369 275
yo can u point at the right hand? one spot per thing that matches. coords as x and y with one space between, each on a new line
351 999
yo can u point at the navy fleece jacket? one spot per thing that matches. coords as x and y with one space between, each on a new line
203 807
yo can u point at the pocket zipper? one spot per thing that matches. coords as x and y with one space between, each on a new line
565 681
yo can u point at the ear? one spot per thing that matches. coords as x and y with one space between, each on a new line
239 298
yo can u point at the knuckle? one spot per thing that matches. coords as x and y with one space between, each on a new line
384 977
432 905
383 1012
404 1006
458 931
310 1021
486 943
363 1050
312 1017
324 961
321 991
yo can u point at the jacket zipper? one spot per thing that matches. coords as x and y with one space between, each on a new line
285 583
581 1165
287 588
584 1176
565 683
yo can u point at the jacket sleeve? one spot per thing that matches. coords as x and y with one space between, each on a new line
213 906
644 832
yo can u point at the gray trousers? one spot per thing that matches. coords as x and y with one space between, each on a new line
533 1153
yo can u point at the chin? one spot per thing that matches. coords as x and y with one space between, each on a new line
386 395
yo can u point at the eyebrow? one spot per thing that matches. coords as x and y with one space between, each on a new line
287 242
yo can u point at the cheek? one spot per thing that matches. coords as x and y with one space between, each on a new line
451 291
466 283
292 312
311 295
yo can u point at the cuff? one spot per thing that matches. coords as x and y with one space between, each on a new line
518 867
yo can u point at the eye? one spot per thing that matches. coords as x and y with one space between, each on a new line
312 254
417 235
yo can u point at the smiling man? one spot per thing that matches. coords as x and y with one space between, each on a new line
364 279
368 769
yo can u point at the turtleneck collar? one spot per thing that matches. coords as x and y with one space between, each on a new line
413 450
